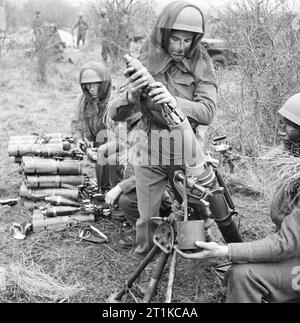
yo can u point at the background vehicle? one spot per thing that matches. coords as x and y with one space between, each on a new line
222 56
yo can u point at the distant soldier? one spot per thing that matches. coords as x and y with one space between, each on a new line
56 44
37 25
82 27
105 42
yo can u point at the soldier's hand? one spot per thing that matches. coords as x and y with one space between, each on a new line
210 250
137 81
81 146
160 95
113 195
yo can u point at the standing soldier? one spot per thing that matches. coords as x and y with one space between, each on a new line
56 44
105 52
37 25
186 81
82 27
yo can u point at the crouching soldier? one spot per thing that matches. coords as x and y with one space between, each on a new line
267 269
89 121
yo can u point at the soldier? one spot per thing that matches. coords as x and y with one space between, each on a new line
89 123
37 25
105 51
82 27
56 44
186 81
267 269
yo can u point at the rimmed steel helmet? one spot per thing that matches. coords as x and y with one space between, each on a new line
189 19
89 76
291 109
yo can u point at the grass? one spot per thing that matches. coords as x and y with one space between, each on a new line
83 272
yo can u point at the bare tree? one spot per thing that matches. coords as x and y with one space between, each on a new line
125 20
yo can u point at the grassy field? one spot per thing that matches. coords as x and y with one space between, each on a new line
82 272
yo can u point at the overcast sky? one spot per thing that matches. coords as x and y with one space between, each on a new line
205 4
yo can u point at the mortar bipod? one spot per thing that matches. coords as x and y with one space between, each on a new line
163 243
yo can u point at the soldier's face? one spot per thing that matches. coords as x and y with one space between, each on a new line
290 131
93 89
180 44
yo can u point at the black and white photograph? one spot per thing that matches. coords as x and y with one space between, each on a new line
149 154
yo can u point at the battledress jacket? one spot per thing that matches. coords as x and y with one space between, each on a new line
281 246
195 98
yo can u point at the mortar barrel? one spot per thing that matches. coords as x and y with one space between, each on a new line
194 156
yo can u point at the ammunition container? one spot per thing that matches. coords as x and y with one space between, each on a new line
35 137
32 141
38 194
41 166
35 150
54 181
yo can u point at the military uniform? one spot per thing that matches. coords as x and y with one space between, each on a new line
192 82
267 269
88 123
82 28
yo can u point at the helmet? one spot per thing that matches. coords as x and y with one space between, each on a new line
89 76
80 14
189 19
291 109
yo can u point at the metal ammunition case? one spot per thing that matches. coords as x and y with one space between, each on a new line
35 150
41 166
35 137
32 141
54 181
38 194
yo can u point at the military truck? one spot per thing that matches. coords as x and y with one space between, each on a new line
218 49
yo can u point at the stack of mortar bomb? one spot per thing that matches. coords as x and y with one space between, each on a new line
50 185
36 145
